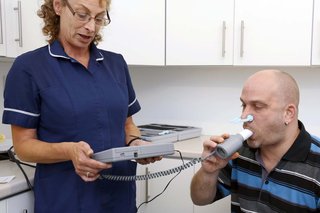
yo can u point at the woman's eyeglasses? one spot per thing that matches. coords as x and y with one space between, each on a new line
85 17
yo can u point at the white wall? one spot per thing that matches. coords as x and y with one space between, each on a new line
208 97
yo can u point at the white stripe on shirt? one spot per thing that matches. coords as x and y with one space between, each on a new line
132 102
21 111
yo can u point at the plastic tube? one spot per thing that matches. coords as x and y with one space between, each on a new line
232 144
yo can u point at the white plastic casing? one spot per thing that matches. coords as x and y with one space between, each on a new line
246 133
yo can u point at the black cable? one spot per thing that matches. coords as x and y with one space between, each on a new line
177 170
19 163
165 188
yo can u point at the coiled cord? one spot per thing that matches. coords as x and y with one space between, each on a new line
152 175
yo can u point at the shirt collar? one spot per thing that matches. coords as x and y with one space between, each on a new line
56 50
300 148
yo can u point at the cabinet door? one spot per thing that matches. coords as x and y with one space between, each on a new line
273 32
25 31
137 31
2 29
176 198
3 206
199 33
21 203
316 34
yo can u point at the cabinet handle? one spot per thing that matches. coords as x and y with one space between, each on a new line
224 38
19 23
25 211
1 25
147 186
242 39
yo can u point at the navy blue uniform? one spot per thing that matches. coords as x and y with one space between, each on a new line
49 91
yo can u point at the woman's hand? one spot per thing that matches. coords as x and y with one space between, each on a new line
86 167
145 161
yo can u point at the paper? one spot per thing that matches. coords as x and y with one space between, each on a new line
6 179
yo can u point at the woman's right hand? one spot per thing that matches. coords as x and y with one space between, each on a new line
87 168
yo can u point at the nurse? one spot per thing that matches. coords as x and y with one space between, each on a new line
67 100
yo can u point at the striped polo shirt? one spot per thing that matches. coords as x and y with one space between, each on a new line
292 186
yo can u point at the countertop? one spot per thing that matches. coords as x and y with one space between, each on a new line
191 148
18 184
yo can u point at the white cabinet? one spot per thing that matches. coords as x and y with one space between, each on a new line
137 31
239 32
2 29
272 32
199 33
316 34
3 206
176 197
23 28
213 32
23 203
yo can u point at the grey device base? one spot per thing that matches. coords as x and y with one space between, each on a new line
134 152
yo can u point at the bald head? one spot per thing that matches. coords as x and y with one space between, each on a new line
280 85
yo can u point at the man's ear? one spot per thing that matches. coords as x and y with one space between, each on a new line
290 113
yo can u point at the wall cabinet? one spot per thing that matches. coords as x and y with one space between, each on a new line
23 203
137 31
199 34
233 32
272 32
212 32
179 32
21 29
316 34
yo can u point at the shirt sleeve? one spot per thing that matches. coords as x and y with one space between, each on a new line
21 102
133 103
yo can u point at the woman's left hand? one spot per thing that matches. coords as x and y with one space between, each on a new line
145 161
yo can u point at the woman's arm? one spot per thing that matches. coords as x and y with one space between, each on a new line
30 149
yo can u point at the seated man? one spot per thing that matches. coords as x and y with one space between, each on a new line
278 168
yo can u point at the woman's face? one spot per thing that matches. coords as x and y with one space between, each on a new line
78 22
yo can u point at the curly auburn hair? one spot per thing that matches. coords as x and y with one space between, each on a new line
52 20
